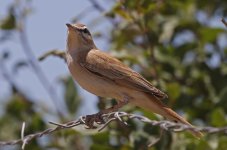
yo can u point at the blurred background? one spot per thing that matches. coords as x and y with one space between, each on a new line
179 46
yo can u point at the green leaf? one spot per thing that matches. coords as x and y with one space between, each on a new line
173 90
222 143
223 98
121 12
209 34
101 137
9 22
218 117
101 147
203 145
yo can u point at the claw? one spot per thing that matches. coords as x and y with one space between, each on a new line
99 118
95 118
89 122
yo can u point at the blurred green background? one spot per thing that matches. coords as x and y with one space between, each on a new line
179 46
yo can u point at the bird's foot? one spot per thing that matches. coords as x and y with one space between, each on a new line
94 118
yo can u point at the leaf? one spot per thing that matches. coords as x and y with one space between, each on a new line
173 90
9 22
222 143
209 34
168 29
101 147
101 137
223 98
19 105
203 145
121 12
224 69
101 141
218 117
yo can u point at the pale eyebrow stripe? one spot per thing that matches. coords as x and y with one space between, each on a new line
80 26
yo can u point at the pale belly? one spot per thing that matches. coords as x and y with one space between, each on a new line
94 83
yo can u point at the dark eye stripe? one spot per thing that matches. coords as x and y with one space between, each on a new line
85 31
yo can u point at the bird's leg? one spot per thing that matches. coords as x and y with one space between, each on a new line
90 119
115 107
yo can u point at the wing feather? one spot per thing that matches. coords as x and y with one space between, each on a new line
106 66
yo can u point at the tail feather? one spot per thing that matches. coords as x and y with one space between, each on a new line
173 116
151 103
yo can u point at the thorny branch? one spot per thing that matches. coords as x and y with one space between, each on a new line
108 118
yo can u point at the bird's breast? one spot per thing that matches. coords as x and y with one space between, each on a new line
92 82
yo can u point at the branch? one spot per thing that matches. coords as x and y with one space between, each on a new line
108 118
60 54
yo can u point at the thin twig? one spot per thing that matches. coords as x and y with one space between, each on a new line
114 116
58 53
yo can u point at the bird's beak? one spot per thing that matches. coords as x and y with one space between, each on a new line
69 26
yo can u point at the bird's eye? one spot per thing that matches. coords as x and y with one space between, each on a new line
85 31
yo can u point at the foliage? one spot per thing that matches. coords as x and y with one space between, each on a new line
172 47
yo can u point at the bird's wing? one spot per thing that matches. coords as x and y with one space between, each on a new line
108 67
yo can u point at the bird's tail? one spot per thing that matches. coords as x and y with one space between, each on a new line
155 105
173 116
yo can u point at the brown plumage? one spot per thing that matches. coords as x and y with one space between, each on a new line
105 76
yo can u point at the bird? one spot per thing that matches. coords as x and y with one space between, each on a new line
105 76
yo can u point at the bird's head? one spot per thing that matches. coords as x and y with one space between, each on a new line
79 37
